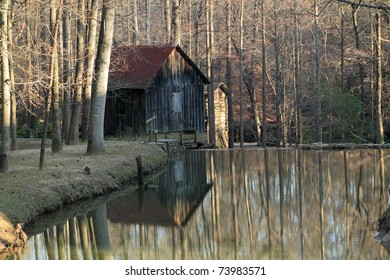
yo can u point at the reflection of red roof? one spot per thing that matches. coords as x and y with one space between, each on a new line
133 67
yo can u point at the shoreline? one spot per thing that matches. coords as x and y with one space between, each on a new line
69 176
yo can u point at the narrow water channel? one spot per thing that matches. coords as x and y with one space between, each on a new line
241 204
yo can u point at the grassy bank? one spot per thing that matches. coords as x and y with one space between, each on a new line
69 176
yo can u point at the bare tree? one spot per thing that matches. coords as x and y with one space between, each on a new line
12 78
229 72
67 77
264 75
91 54
379 79
210 68
6 90
99 86
76 107
318 75
135 33
176 22
241 21
55 18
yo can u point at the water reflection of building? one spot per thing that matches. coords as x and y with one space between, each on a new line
169 200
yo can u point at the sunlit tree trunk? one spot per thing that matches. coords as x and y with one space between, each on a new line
210 68
355 10
176 22
55 17
278 78
135 33
318 75
251 77
149 23
12 78
378 79
342 49
67 76
28 87
190 35
99 86
6 90
168 20
229 83
91 54
241 21
263 75
297 77
76 106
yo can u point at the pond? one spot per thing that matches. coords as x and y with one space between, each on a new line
237 204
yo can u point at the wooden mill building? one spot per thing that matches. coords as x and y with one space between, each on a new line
157 85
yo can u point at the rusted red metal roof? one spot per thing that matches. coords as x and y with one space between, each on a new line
133 67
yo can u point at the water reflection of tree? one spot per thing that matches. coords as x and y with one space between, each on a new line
64 240
272 204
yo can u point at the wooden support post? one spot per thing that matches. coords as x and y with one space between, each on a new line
3 163
151 132
141 187
140 170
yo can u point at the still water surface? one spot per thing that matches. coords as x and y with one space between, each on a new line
241 204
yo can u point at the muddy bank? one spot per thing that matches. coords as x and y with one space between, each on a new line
69 176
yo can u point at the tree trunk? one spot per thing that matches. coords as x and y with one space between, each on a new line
91 55
167 19
342 48
67 76
360 64
318 76
149 23
135 33
251 78
229 73
75 118
6 91
263 77
55 16
378 80
240 75
99 86
298 95
12 79
210 69
278 79
176 22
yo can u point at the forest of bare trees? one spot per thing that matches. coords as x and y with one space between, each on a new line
297 71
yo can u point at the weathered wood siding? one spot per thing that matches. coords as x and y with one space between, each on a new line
125 112
221 124
175 97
